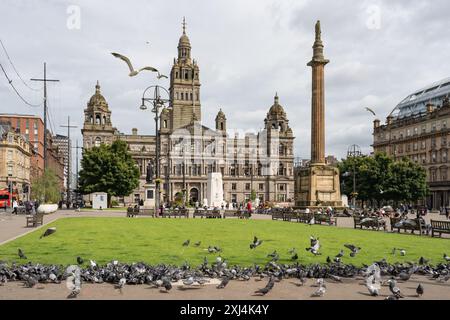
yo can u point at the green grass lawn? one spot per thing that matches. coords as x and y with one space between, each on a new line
160 241
106 209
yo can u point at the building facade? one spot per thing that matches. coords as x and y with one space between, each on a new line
262 162
64 147
419 128
32 129
15 161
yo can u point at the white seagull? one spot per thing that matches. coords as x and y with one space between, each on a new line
128 62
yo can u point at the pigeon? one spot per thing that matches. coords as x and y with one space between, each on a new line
166 283
340 254
73 281
274 255
419 290
3 280
186 243
121 284
197 244
130 66
315 245
423 261
394 289
294 257
211 249
223 283
321 291
21 254
80 260
328 259
402 252
373 286
354 249
256 243
93 263
335 278
48 232
189 281
446 257
267 288
30 281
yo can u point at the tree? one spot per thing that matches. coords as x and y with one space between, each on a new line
110 169
46 188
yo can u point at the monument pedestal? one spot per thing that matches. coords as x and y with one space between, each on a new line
150 191
214 189
318 186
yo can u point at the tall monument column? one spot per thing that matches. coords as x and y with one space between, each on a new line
317 64
318 184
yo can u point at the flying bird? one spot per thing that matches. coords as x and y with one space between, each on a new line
256 243
354 249
315 246
159 76
130 66
371 111
48 232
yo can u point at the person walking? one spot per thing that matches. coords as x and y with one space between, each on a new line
15 205
249 208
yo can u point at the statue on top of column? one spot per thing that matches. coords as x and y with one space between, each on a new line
318 31
149 177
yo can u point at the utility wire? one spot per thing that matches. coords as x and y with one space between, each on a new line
17 92
15 70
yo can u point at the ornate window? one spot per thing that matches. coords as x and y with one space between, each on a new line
97 142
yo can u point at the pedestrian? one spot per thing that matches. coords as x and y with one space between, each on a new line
15 205
249 207
447 213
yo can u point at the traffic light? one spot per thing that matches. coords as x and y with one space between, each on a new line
9 187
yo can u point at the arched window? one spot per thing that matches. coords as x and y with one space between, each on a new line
186 75
177 95
98 119
221 126
91 120
281 170
165 124
176 75
104 120
97 142
281 150
192 97
182 96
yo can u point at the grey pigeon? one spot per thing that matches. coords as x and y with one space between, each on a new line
394 289
197 244
80 260
223 283
267 288
419 290
186 243
30 281
373 286
73 281
446 257
354 249
121 284
48 232
315 246
321 291
21 254
166 283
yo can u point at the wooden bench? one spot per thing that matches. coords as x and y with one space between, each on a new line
214 214
440 227
375 223
324 218
419 225
289 215
35 220
147 212
230 214
131 212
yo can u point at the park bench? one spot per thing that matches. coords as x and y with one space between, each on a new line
440 227
277 215
289 215
374 223
213 214
147 212
230 213
419 225
324 218
35 220
199 213
304 217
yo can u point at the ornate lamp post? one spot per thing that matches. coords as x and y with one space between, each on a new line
157 103
354 151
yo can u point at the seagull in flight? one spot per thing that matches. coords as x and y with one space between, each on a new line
371 111
159 76
128 62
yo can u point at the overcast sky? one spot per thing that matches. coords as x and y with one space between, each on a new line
380 51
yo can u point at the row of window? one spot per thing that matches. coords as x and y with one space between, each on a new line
186 96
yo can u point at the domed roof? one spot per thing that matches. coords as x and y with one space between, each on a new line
97 99
184 40
276 109
220 114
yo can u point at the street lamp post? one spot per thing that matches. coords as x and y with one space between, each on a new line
354 152
157 103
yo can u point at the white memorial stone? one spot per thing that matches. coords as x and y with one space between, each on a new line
214 189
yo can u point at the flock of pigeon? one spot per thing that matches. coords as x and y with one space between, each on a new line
162 276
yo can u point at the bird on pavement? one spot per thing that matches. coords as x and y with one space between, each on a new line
48 232
166 283
419 290
321 291
21 254
189 281
267 288
121 284
394 289
130 66
392 297
223 283
30 281
73 281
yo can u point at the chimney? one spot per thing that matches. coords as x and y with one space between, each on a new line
376 123
134 131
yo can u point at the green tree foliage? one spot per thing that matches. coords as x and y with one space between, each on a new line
381 178
110 169
46 188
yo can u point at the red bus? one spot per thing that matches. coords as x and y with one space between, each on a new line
6 198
